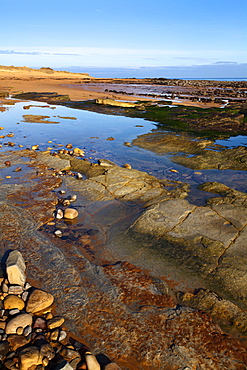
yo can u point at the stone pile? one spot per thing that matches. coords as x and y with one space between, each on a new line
31 337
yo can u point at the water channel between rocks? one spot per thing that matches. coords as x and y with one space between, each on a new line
108 137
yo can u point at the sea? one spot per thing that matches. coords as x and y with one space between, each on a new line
148 73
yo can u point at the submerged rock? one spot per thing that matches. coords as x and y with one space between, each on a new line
70 213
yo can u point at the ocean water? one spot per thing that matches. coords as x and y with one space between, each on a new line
196 74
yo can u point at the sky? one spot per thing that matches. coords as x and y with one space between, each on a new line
176 37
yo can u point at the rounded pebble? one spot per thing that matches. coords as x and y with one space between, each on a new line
19 331
70 213
128 166
12 301
39 300
22 320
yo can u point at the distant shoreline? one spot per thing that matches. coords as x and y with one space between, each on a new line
82 86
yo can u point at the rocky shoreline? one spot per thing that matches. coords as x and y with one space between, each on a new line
32 337
131 316
138 272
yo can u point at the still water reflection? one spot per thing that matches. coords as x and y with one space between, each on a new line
106 136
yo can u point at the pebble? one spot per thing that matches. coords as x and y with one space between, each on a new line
47 351
12 301
70 213
55 322
62 191
58 233
32 339
91 361
24 296
14 312
17 341
39 300
35 147
15 289
2 326
5 288
4 349
79 176
49 316
22 320
19 331
7 163
78 152
62 335
28 357
39 323
72 198
59 213
27 286
15 268
54 335
128 166
27 331
69 146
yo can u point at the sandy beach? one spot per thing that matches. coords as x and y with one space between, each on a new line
16 79
77 85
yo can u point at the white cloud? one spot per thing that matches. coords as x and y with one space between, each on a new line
116 57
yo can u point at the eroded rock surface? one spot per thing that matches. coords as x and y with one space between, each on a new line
199 154
119 309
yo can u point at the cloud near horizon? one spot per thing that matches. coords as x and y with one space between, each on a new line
119 58
13 52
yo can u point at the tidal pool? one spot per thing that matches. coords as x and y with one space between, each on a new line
108 137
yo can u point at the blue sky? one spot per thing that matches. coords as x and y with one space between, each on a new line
125 34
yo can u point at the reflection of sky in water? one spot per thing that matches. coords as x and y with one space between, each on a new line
90 132
233 141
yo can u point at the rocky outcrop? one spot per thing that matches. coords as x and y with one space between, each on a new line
117 103
235 159
121 310
209 239
42 96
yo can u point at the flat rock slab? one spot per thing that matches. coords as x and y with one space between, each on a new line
204 221
157 220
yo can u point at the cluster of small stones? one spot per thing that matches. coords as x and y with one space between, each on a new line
31 337
76 152
65 213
